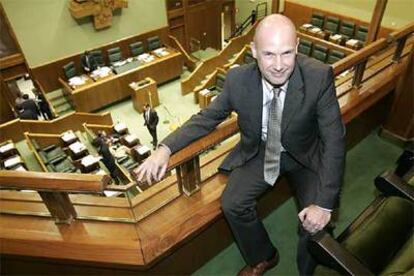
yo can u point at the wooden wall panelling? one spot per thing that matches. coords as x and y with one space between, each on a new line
6 112
195 21
48 74
213 25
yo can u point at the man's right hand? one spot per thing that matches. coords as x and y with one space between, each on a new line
155 166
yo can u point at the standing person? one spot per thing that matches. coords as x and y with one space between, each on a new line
88 62
30 104
151 121
107 157
290 124
43 105
26 114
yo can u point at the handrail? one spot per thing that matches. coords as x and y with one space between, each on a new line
189 61
403 32
53 182
208 66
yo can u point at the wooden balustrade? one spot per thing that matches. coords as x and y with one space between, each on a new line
208 66
53 188
189 61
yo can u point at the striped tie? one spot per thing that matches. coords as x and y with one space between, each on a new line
273 142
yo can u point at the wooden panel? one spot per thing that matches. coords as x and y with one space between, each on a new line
49 73
195 24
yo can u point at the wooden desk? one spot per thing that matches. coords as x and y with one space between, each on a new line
116 87
143 92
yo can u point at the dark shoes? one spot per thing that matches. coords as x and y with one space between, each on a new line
260 268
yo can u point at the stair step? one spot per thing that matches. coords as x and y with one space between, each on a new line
59 101
55 94
66 107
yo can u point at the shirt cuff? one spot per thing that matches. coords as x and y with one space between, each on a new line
325 209
166 147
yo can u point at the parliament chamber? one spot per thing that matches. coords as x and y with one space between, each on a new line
63 212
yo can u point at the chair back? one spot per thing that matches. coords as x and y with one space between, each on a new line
318 20
114 54
248 57
320 53
305 47
362 33
347 29
335 56
69 70
332 24
98 57
154 42
137 48
220 79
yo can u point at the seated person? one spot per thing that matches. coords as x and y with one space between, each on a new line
26 114
88 62
30 104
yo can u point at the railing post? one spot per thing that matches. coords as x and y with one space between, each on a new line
398 51
188 175
59 206
359 73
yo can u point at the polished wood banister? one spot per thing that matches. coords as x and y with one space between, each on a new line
60 182
359 56
404 31
189 61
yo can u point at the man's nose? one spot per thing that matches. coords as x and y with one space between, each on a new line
277 63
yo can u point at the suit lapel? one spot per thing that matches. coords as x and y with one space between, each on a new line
256 100
294 97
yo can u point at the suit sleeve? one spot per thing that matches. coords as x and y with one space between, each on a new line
203 122
332 148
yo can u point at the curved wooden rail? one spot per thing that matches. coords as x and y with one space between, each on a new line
189 61
208 66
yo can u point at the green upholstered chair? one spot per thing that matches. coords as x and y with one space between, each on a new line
62 164
347 29
50 153
305 47
137 48
318 20
69 70
220 79
320 52
248 57
335 56
332 24
153 43
128 163
378 242
98 57
361 33
114 54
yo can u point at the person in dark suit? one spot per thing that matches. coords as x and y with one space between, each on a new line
88 62
107 157
290 124
151 121
30 104
43 105
26 114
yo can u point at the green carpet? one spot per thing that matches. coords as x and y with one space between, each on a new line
364 162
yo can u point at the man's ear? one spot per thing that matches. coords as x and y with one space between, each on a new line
254 52
297 45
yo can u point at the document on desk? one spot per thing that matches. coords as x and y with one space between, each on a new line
68 136
6 147
77 147
12 161
89 160
101 72
146 58
161 52
77 80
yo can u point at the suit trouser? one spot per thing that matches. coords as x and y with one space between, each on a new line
239 200
153 132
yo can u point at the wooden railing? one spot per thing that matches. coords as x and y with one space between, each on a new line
189 61
15 129
53 188
208 66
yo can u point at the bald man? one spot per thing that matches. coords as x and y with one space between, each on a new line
309 149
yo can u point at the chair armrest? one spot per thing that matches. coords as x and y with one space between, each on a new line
390 184
49 148
57 160
329 252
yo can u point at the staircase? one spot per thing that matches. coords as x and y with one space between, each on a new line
60 103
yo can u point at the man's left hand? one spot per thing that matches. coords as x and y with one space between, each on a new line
314 218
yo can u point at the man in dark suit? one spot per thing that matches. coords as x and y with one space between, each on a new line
290 124
108 159
151 121
88 62
30 104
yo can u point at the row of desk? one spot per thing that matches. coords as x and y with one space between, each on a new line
99 92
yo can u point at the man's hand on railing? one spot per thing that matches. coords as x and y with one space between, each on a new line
155 166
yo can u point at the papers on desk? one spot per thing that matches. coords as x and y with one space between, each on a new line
119 63
161 52
352 42
112 193
120 127
145 57
143 149
20 168
204 92
100 171
314 30
336 36
12 161
89 160
101 72
6 147
68 136
130 138
77 80
307 26
77 147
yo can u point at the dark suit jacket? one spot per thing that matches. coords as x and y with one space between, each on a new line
31 105
88 63
312 128
152 122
